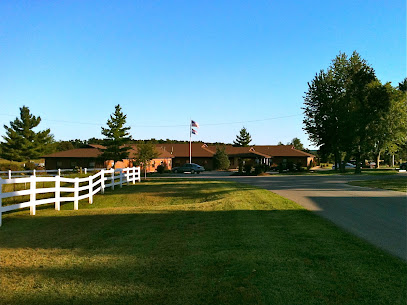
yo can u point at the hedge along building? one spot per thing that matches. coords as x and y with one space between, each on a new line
89 157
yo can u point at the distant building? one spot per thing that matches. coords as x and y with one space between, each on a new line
173 155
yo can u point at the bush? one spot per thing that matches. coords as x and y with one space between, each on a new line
281 167
259 169
10 166
299 166
247 168
290 166
240 166
160 169
29 166
221 159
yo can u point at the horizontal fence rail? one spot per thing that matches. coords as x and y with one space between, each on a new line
78 188
51 172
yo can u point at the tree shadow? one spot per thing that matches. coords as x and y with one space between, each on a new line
192 257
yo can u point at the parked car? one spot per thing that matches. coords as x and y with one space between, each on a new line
347 166
189 167
403 166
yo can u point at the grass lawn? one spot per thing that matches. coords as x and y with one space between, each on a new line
190 242
399 184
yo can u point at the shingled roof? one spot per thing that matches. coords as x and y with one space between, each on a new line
94 151
182 150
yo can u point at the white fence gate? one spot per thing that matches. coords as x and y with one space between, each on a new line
90 185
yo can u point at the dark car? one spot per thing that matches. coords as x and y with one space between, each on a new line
403 166
189 167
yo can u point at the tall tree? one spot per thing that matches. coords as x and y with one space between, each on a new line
22 143
342 105
221 159
146 153
116 136
243 138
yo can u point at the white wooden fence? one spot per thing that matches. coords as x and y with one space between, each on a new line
90 186
50 172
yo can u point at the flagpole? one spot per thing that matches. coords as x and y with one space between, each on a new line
190 141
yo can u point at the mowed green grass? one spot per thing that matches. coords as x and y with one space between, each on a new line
399 184
190 242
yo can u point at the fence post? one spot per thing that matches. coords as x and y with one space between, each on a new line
112 178
128 175
1 191
133 176
59 172
57 193
85 170
102 182
34 172
33 186
121 178
9 173
76 194
90 189
138 174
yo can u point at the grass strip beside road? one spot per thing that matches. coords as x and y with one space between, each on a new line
399 184
190 242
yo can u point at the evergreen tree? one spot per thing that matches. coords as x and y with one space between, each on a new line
116 136
221 159
243 139
403 85
22 143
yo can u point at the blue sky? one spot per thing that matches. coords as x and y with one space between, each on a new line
225 64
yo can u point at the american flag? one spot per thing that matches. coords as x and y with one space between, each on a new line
194 124
194 131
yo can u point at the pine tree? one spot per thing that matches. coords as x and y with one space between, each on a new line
221 159
116 136
243 139
21 142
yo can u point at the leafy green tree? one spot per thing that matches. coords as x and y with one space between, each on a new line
297 144
116 136
22 143
403 85
243 138
342 105
221 159
146 153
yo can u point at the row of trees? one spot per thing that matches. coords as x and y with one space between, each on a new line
350 113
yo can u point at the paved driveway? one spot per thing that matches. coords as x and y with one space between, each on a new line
378 216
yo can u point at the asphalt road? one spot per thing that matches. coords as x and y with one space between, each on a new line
378 216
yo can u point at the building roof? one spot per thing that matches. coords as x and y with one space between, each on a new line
281 151
182 150
95 152
242 152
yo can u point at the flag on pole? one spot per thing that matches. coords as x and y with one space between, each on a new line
194 131
194 124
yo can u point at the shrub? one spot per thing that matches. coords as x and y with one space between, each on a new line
299 166
290 166
29 166
240 166
160 169
247 168
10 166
259 169
221 159
281 167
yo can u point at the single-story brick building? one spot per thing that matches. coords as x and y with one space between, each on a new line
89 157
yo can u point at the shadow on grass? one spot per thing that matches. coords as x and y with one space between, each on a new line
192 257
